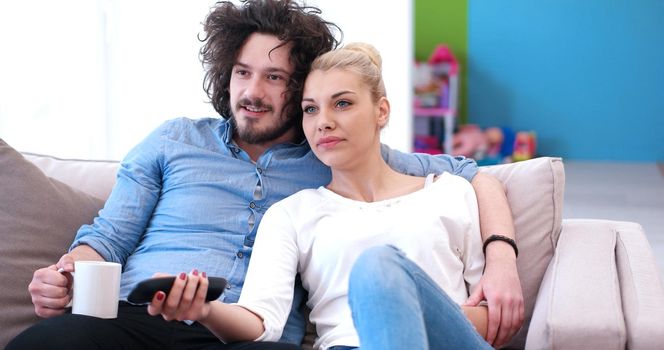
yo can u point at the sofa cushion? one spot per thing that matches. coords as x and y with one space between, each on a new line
39 217
534 190
76 172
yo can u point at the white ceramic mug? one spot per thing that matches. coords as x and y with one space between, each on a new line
96 288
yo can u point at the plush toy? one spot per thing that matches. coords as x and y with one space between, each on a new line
493 145
524 146
469 141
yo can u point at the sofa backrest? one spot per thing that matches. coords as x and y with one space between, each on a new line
39 217
94 177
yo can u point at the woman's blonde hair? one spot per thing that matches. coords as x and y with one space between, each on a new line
360 58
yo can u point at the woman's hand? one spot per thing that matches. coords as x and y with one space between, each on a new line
185 301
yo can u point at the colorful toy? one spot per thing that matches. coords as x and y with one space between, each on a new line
493 145
469 141
524 146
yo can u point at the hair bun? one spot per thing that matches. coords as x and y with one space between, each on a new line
367 49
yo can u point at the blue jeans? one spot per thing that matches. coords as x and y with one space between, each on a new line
396 305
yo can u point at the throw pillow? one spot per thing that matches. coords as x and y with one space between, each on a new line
534 190
39 217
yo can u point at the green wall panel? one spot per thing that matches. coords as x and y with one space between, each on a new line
443 21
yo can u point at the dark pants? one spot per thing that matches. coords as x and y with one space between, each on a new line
133 329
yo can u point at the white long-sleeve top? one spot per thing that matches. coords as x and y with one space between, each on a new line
320 234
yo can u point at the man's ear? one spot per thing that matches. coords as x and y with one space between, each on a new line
383 111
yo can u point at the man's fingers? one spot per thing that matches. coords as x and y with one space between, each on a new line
505 329
50 303
521 314
494 323
517 320
66 263
475 297
511 320
49 276
49 291
514 329
45 312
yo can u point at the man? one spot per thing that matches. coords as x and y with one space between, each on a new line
191 195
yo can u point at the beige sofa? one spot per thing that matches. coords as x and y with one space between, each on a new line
588 284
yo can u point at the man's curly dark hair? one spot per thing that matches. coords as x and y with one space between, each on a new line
227 28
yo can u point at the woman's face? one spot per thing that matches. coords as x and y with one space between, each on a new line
340 119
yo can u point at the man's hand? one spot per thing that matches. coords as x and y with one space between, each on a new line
501 288
500 284
50 288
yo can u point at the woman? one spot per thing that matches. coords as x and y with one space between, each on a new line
386 258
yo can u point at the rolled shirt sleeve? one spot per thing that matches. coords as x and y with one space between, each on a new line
420 164
118 228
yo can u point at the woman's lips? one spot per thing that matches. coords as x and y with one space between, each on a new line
328 142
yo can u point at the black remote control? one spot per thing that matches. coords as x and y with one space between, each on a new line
145 290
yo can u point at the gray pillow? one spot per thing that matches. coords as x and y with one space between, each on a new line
39 217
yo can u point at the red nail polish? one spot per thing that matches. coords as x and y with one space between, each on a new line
195 272
183 276
160 296
204 275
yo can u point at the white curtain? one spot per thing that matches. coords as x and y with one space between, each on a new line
91 78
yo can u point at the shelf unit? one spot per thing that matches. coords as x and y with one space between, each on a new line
448 115
442 72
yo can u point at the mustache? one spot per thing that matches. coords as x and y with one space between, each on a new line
255 103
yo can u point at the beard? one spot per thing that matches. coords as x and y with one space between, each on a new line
250 132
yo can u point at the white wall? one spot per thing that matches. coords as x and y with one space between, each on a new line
90 79
387 25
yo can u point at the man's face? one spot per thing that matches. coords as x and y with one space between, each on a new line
257 90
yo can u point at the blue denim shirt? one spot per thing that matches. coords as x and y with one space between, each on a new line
187 197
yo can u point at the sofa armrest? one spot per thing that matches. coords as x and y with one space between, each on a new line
579 303
640 287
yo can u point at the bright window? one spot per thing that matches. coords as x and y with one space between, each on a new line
90 79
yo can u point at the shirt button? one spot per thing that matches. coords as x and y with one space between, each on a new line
260 170
252 205
240 255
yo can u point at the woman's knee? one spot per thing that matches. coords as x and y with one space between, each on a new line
374 262
377 269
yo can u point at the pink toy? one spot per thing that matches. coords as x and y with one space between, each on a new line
443 54
470 142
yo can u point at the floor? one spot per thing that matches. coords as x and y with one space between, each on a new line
619 191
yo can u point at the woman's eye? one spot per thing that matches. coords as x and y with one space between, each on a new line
241 72
273 77
343 104
309 109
